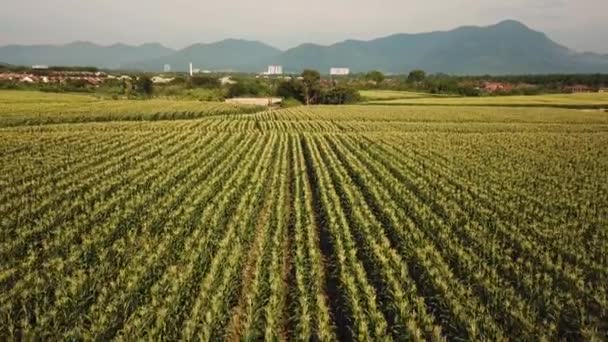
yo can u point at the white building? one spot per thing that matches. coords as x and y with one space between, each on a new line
167 68
40 67
274 70
227 80
161 80
339 71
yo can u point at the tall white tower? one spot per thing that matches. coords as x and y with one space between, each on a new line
190 69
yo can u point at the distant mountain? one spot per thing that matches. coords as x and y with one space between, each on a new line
81 54
229 54
508 47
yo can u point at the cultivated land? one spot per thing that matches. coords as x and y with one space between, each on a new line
574 101
375 95
371 223
35 108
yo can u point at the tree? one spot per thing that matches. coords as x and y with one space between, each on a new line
248 87
311 85
76 83
416 76
145 86
204 81
375 76
290 90
341 94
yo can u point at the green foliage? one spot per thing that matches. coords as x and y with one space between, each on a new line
179 80
291 89
74 68
375 76
340 94
248 87
416 76
144 85
76 83
290 102
311 86
319 223
204 81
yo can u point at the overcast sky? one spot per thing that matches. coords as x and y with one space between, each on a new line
579 24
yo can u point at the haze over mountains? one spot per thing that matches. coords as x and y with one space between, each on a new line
508 47
81 54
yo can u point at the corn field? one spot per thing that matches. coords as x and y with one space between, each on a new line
344 223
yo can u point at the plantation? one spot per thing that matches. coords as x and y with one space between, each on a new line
370 223
582 100
379 95
35 108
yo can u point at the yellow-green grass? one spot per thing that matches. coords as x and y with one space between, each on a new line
379 114
378 95
30 107
584 100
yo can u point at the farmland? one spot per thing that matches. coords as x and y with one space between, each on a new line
35 108
581 101
371 222
379 95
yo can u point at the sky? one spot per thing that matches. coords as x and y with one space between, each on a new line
578 24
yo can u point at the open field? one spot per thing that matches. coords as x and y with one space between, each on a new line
34 108
370 223
375 95
584 100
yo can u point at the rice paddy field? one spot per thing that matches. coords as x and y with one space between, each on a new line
368 223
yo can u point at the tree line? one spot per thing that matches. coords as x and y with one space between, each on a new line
418 80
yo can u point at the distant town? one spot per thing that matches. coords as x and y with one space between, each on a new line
276 87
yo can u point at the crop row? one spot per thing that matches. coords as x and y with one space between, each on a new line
287 228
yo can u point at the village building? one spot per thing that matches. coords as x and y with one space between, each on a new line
493 87
578 88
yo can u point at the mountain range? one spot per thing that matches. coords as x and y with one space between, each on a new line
81 54
508 47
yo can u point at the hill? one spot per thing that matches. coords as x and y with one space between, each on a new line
81 54
508 47
229 54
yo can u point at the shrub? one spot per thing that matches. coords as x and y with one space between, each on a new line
290 102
